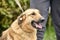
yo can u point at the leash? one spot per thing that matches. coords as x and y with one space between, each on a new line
19 4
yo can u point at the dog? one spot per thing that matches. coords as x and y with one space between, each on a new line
24 27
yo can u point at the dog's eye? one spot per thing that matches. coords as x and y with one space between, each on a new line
33 13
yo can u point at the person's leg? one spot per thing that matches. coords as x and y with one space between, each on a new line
55 12
43 6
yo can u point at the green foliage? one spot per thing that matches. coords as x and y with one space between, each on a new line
9 11
50 31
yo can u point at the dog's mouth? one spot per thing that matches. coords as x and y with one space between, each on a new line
36 24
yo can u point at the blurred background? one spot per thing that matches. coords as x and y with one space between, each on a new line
9 10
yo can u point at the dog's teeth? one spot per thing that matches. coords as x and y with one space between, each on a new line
20 18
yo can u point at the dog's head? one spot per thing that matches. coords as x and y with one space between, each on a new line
30 19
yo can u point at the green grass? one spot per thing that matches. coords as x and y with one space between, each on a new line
50 34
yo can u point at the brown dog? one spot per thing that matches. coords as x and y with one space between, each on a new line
24 27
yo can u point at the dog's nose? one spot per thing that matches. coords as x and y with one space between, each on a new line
41 20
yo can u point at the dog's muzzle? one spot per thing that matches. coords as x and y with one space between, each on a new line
37 24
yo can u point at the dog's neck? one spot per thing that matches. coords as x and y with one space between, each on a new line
16 29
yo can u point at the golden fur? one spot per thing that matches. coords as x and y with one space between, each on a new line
21 28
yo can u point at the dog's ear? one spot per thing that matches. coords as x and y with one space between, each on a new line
21 18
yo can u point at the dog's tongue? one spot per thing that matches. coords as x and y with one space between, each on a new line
38 25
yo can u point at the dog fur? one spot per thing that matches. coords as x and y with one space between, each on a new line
21 28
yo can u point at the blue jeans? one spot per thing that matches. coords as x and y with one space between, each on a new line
43 6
